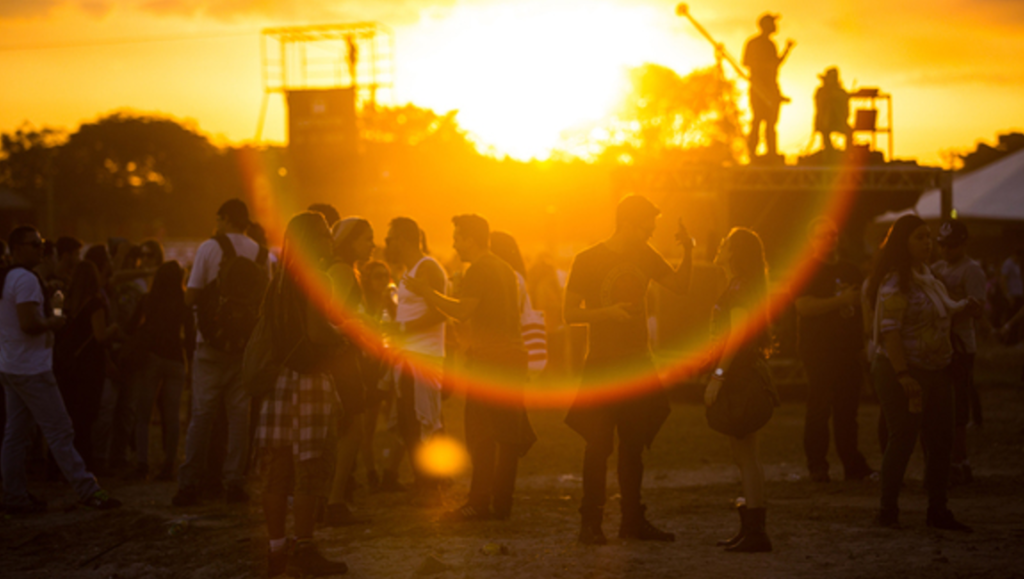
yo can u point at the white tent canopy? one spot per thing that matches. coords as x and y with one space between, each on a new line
995 191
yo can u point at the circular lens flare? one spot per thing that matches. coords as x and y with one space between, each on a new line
441 457
626 381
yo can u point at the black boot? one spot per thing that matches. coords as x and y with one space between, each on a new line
636 526
756 540
590 529
742 510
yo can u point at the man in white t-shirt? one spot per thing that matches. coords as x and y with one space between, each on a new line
30 392
215 373
419 335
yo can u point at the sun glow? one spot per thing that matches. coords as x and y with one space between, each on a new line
522 73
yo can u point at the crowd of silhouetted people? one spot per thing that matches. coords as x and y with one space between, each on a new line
292 358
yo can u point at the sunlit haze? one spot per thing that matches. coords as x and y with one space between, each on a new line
520 73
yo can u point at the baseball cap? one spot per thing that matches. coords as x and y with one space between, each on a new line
766 19
952 233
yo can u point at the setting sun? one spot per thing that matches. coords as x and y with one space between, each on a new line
522 73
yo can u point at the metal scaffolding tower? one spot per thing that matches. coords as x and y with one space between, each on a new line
360 57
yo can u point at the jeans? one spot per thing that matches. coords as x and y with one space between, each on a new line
630 471
834 384
216 377
115 422
494 475
37 398
935 424
167 377
495 461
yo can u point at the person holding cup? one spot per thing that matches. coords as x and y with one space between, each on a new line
911 371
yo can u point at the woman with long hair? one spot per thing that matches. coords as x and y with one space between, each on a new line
911 331
295 416
743 360
504 246
80 356
164 336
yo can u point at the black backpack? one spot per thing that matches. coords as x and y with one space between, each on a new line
229 306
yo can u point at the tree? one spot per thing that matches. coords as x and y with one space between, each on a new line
414 127
663 117
134 175
26 163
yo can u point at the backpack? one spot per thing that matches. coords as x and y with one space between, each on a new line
229 306
262 361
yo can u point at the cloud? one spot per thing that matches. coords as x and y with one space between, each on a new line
394 11
11 9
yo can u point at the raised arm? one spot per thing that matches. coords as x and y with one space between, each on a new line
679 279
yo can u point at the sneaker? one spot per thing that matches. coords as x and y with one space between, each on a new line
235 495
464 514
592 534
186 497
943 519
101 501
307 561
645 531
636 526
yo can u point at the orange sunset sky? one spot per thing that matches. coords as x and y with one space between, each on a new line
520 72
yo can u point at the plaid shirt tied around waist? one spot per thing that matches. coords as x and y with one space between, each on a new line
297 412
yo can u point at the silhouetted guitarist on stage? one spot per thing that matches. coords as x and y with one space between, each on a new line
761 56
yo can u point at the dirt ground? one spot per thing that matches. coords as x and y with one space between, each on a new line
818 529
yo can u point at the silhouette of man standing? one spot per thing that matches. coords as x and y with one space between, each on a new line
761 56
607 291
